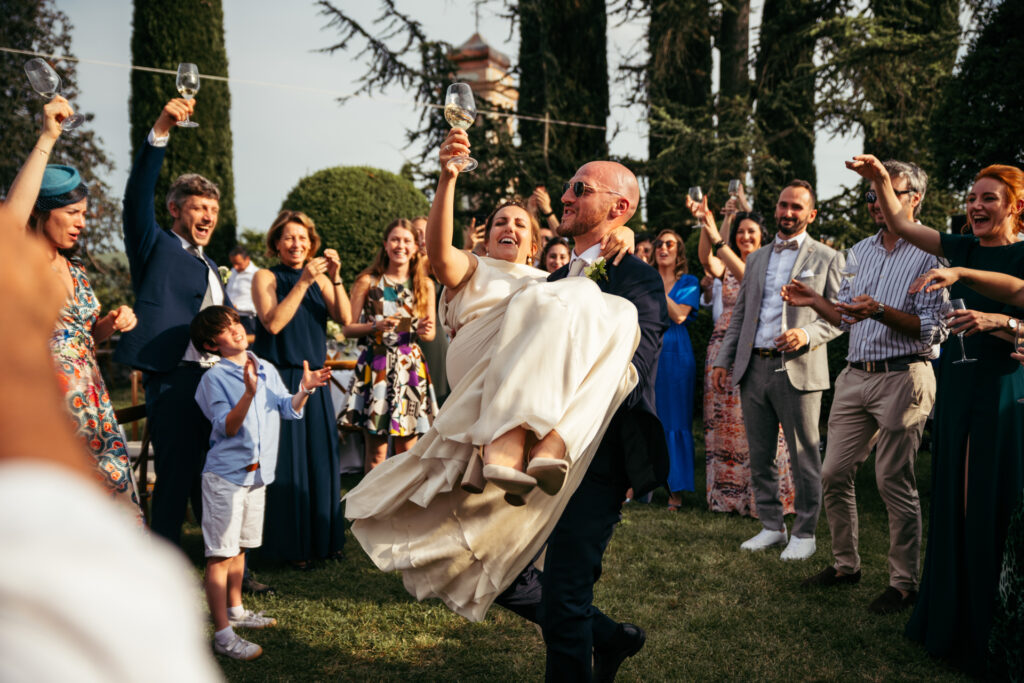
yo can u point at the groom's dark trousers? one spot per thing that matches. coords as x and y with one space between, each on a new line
632 453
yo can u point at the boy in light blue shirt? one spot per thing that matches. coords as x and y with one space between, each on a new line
244 399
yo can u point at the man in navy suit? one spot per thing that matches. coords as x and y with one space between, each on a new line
173 280
601 196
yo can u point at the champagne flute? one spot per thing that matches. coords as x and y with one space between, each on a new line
460 112
782 354
188 86
947 310
47 83
734 188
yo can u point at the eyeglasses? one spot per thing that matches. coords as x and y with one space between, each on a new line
871 197
669 244
580 188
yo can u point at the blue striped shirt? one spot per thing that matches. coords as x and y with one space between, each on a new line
886 276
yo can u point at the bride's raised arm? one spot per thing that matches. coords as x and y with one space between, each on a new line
451 266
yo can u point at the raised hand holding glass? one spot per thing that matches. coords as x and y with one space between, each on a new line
460 112
188 86
47 83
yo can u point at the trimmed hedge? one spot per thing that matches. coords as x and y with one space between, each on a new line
351 206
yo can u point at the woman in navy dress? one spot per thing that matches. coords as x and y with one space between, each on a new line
677 369
303 520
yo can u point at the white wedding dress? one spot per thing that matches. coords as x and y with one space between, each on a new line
545 355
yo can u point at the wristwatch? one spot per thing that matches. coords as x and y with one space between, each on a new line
879 312
1013 324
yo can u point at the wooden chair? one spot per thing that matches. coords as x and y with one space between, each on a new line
132 415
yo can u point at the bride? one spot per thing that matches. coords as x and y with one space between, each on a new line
537 369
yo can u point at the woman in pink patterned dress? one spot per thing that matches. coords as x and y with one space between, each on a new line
725 440
58 217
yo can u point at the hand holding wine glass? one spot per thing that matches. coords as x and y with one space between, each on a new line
948 310
460 112
47 83
188 86
851 266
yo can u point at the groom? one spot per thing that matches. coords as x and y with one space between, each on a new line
601 196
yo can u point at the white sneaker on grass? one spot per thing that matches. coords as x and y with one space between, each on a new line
799 549
238 648
765 538
252 620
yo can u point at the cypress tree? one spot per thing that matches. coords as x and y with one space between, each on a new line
163 35
679 91
563 72
785 94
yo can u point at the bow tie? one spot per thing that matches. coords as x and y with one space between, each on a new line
786 244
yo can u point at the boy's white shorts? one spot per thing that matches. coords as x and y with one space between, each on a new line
232 516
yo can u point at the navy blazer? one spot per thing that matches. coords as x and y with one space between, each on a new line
635 433
169 282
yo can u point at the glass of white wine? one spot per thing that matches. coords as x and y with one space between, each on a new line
188 86
734 187
46 82
460 112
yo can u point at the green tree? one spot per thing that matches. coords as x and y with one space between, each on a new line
351 206
563 74
163 35
38 26
785 94
974 123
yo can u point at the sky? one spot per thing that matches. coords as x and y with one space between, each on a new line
286 119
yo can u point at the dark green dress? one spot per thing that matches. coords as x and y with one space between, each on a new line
953 615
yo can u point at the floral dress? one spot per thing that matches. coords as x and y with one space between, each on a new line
74 353
391 392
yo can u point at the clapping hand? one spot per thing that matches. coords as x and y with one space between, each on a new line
311 379
314 269
798 293
333 261
859 308
249 375
123 319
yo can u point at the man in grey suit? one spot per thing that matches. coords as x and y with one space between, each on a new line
779 362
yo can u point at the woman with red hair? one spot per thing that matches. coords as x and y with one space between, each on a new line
977 466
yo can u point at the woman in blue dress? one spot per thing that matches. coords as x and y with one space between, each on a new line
303 520
677 369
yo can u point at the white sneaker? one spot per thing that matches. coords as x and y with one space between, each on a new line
799 549
252 620
765 538
238 648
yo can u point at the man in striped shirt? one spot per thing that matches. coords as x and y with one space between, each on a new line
887 389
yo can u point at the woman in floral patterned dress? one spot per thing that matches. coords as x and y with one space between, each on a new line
58 217
727 452
391 393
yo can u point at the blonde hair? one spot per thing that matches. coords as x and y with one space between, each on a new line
283 219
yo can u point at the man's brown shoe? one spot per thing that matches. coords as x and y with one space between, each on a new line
892 601
831 576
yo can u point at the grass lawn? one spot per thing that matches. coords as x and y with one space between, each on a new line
711 611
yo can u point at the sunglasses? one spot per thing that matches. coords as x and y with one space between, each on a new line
871 197
580 188
669 244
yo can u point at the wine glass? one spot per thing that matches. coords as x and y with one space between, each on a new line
734 187
332 349
696 194
46 82
188 86
849 272
460 112
947 310
782 354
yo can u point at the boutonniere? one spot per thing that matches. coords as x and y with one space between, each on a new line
225 273
596 270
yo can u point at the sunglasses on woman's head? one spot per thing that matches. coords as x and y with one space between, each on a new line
580 188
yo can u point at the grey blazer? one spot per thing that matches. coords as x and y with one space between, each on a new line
807 369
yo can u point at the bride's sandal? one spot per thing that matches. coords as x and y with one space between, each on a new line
473 478
549 472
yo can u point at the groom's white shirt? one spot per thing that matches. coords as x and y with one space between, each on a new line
588 257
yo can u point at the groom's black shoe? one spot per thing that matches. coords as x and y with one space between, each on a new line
609 657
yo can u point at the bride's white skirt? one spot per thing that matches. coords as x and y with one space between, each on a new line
555 355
